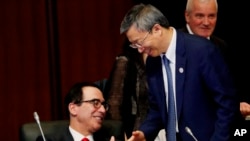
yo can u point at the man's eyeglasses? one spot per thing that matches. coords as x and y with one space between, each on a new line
97 103
138 45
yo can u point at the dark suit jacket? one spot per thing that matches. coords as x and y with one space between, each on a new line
221 44
234 66
65 135
205 96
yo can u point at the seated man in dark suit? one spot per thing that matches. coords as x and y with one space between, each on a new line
86 108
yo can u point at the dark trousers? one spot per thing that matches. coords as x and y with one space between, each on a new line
178 137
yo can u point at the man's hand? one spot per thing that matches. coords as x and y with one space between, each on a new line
137 136
244 109
112 138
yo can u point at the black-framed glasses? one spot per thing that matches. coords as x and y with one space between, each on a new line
97 103
138 45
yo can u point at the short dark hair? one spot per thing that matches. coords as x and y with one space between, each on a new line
75 94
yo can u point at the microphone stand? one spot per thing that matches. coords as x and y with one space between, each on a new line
39 125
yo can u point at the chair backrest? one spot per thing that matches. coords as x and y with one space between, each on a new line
30 131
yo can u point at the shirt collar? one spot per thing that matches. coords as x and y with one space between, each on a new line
170 54
78 136
190 31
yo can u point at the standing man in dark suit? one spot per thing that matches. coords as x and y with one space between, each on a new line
201 19
204 95
86 108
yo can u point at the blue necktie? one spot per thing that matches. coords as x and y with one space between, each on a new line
171 131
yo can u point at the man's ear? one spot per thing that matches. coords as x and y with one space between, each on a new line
157 29
72 109
186 14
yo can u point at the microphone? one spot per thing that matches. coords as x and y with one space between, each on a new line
39 125
188 130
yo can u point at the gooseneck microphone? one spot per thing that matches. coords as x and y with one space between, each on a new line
188 130
39 125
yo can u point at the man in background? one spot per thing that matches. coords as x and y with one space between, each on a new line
201 19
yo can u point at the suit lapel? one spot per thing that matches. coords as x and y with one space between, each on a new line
156 82
180 71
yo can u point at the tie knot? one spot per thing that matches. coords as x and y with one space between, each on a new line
85 139
165 59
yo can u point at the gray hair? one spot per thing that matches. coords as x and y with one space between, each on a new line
189 6
144 17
